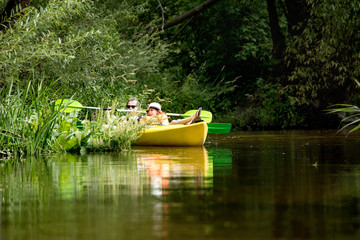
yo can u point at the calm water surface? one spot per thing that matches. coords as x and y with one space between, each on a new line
243 185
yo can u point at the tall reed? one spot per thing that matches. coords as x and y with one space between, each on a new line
31 124
27 118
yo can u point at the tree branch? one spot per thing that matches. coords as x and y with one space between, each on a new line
179 19
162 15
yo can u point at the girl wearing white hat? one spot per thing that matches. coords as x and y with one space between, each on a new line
157 117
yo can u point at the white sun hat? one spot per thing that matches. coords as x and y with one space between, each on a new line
155 105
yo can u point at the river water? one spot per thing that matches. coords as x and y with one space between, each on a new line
241 185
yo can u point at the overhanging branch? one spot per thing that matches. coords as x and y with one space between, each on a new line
179 19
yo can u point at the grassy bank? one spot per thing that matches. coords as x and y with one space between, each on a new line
32 124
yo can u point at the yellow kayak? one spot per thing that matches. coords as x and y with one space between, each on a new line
174 135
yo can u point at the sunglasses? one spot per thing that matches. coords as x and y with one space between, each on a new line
131 106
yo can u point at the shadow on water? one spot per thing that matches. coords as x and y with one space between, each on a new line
250 185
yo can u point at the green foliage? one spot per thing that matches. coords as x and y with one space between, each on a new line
73 135
27 118
2 5
75 42
350 116
267 108
130 16
32 46
31 124
325 56
207 61
190 93
215 54
213 60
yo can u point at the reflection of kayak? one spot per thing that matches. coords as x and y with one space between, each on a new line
174 135
172 169
178 154
173 161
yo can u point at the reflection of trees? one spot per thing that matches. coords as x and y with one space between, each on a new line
106 189
267 181
134 172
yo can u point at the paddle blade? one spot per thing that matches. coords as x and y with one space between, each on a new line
205 115
68 105
219 128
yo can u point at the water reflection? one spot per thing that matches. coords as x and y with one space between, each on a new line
73 176
175 168
252 185
68 195
297 184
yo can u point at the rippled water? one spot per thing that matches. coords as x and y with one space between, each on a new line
244 185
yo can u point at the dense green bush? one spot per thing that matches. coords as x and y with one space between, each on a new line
79 45
226 48
267 108
72 134
31 123
325 56
214 60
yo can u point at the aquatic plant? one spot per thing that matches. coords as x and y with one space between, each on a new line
350 116
113 133
31 124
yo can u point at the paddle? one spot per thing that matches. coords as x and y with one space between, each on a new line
219 127
72 105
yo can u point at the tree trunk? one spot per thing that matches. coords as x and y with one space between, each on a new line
277 37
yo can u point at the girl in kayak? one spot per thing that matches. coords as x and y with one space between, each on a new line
157 117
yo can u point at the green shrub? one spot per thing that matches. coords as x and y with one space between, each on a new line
268 108
74 135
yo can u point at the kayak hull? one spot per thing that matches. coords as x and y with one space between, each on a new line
174 135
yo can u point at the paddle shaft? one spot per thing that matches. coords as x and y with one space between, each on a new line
126 110
71 105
